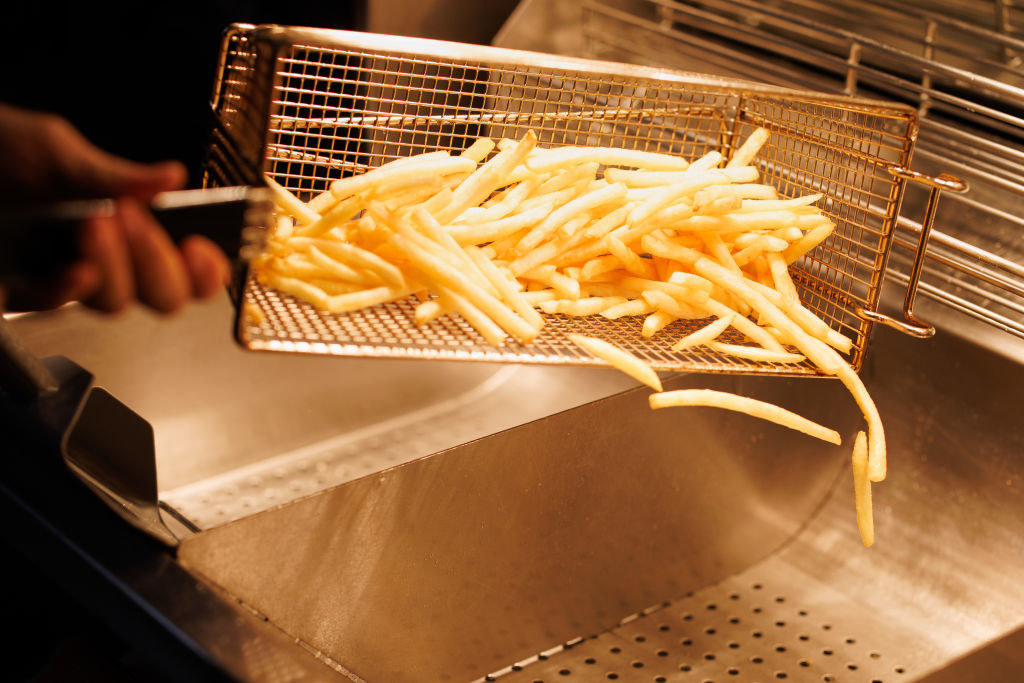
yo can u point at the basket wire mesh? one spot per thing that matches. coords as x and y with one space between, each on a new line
334 103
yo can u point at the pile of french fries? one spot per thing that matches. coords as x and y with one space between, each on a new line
579 231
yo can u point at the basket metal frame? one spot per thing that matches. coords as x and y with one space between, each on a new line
309 105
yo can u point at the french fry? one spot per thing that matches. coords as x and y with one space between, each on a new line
656 322
749 149
627 308
485 179
756 353
290 203
479 150
862 491
618 358
582 307
706 334
743 404
549 160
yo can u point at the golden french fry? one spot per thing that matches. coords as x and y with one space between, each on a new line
478 150
563 214
670 305
618 358
627 308
582 307
487 178
743 404
809 241
549 160
749 149
507 287
862 491
756 353
289 202
655 322
706 334
351 254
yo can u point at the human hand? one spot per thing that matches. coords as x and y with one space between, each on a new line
123 257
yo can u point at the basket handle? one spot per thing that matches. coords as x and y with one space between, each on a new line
911 324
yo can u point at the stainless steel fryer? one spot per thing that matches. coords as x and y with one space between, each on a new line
307 106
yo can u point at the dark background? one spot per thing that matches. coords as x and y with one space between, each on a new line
136 78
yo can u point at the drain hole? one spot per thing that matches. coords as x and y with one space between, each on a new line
781 674
850 641
804 636
758 610
756 586
875 655
664 627
685 667
899 670
826 652
660 679
827 627
734 645
564 672
734 596
805 662
780 648
851 667
663 653
780 624
612 675
734 672
757 634
712 606
734 620
709 656
589 660
638 664
686 641
779 598
802 613
828 678
756 660
615 650
710 631
687 617
640 639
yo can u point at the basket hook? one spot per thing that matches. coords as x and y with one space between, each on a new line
911 324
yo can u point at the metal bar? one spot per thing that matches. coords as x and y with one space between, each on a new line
911 324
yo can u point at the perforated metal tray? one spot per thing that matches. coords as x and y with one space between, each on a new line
307 106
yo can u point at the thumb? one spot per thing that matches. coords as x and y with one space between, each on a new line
105 175
91 171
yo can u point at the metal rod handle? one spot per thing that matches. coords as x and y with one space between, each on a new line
911 324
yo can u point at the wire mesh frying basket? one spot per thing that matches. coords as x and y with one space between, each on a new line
308 106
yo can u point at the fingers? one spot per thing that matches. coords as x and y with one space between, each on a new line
129 257
91 172
162 281
207 265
